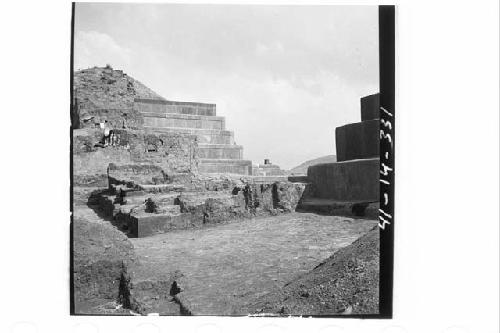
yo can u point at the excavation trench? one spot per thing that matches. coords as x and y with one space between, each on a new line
225 268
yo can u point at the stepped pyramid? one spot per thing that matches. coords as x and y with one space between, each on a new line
351 183
217 150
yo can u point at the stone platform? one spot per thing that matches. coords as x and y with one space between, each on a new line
165 120
211 136
356 180
142 206
220 151
365 209
217 150
349 186
144 105
357 140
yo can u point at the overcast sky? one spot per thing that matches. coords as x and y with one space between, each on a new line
283 76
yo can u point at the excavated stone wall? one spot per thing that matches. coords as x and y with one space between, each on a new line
176 154
143 203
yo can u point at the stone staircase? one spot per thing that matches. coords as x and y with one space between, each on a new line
217 150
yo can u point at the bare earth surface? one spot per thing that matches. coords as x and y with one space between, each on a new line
227 267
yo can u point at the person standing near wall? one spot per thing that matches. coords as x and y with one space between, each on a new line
106 131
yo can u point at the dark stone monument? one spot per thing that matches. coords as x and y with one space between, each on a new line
370 107
354 178
357 140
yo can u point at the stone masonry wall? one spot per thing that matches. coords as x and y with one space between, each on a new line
162 106
176 154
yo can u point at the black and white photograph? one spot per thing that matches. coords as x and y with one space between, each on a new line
250 166
226 160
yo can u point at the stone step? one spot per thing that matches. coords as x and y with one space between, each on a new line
161 188
162 106
130 192
364 209
212 136
189 201
356 180
164 198
143 225
167 208
127 216
129 207
216 151
241 167
267 179
298 179
183 121
357 140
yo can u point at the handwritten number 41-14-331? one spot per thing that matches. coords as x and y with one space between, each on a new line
385 134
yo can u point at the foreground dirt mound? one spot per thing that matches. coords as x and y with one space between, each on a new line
345 283
101 255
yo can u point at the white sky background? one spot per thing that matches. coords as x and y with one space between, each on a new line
283 76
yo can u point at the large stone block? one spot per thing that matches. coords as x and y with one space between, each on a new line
242 167
356 180
148 225
183 121
370 107
234 152
369 210
357 140
163 106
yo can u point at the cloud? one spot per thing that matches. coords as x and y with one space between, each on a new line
93 48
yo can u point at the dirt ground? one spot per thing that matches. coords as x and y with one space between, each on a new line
227 267
345 283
